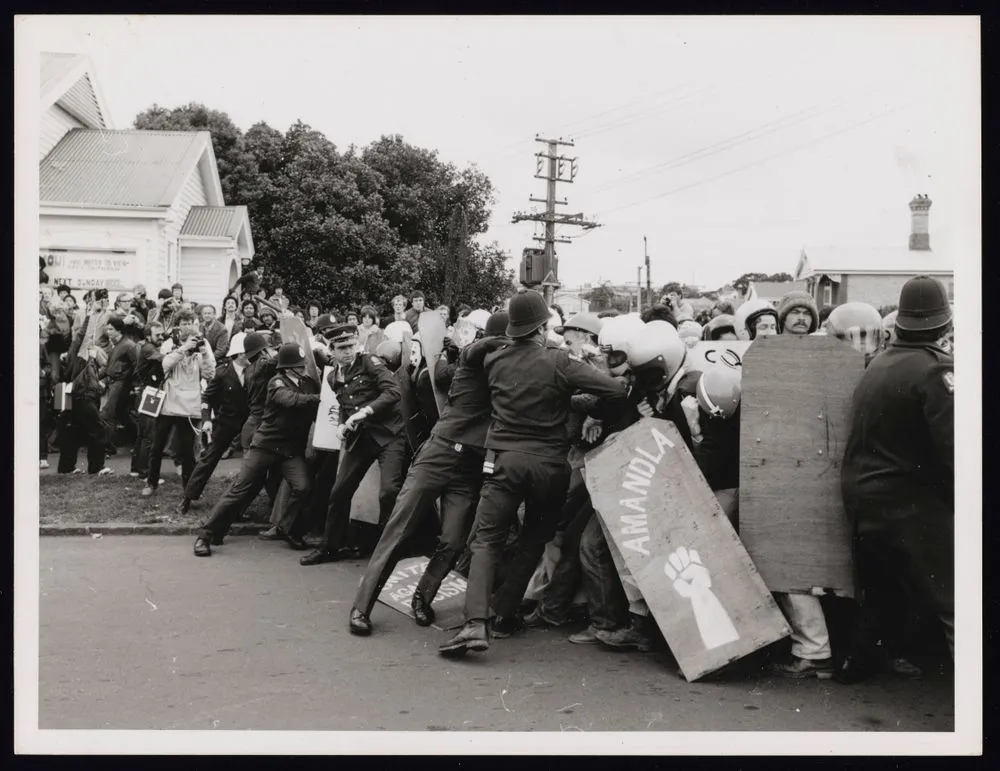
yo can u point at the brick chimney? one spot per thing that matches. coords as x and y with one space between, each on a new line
920 239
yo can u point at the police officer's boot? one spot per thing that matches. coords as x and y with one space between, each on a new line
360 623
184 506
423 613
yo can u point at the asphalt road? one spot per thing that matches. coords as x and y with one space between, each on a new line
137 633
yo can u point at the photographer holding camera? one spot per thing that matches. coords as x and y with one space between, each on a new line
184 366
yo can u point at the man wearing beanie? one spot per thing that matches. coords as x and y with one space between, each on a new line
797 314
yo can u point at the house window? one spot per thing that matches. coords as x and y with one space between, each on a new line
827 294
171 261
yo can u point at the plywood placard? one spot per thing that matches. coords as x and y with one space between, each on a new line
448 605
707 354
795 420
294 330
327 417
694 574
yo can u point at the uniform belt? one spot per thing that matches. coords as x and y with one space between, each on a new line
459 447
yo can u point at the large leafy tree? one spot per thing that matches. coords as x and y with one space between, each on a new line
743 282
345 228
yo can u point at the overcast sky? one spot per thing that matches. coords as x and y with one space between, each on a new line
730 143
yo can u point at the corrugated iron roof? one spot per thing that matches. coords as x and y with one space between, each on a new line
875 260
214 221
119 168
81 100
55 66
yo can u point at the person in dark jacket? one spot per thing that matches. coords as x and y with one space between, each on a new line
526 448
898 477
118 379
85 425
148 372
449 467
225 407
372 428
215 332
279 441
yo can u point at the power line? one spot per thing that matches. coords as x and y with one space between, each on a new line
764 160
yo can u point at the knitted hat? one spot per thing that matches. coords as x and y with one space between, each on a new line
798 300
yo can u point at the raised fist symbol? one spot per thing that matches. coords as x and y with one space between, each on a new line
684 568
693 582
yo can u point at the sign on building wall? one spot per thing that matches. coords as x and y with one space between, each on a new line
91 269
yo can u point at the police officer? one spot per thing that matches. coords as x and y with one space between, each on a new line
372 428
226 397
279 441
527 445
450 466
898 478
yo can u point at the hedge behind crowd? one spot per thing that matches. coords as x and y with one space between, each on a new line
353 227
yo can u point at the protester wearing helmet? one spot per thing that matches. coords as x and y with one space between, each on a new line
371 426
719 328
615 339
857 324
530 390
690 332
258 374
448 466
797 314
897 476
581 334
279 442
713 415
755 317
225 409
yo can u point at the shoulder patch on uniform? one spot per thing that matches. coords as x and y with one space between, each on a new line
377 361
949 381
277 382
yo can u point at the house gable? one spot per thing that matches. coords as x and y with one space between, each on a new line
69 80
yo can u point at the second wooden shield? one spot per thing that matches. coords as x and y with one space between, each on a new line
795 418
693 572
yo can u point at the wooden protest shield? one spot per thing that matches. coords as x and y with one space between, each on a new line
710 353
449 604
327 417
701 587
432 331
795 419
294 330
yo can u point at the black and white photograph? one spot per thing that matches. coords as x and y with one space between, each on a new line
518 385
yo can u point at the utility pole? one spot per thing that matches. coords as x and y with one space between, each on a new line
556 172
638 289
649 288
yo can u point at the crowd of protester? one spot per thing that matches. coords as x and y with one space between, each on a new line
480 448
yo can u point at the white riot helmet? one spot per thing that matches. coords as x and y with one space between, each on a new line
858 324
719 390
615 340
236 345
745 318
656 356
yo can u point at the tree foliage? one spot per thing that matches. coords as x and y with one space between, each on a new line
353 227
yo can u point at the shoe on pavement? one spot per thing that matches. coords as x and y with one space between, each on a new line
471 637
904 668
148 490
587 637
297 542
202 547
317 557
184 506
77 471
796 668
537 619
134 474
43 463
106 472
423 613
504 626
271 534
361 625
626 637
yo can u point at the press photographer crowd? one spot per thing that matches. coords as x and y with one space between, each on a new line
481 422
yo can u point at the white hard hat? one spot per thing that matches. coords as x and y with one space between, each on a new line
479 317
236 344
397 331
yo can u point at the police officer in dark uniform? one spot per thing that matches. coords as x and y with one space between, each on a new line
450 466
279 442
527 445
372 428
898 479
